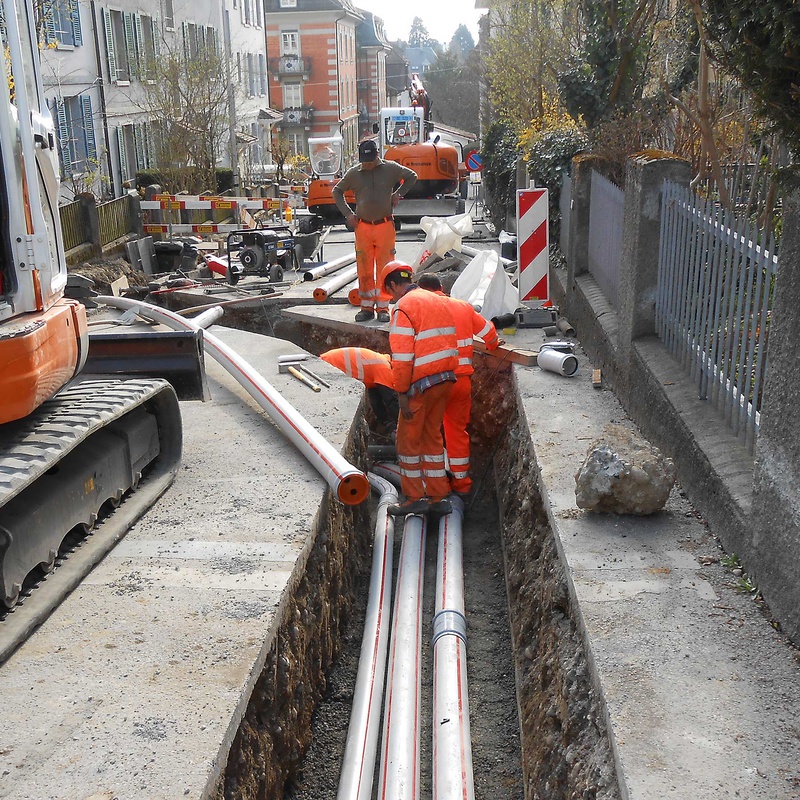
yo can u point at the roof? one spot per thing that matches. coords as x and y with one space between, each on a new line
371 32
274 6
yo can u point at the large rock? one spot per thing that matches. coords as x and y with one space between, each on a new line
624 474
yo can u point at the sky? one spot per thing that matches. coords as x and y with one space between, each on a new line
440 17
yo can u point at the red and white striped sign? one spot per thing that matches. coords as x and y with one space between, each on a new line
533 244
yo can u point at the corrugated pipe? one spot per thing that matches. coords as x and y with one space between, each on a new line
452 749
326 269
348 483
400 749
325 290
358 766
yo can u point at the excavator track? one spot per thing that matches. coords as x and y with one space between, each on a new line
98 443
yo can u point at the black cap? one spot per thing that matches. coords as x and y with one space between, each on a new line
367 150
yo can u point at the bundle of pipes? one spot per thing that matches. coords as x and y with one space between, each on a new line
326 269
324 290
349 483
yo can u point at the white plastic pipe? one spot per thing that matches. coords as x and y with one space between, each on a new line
208 317
325 290
400 749
557 361
348 483
452 749
358 766
388 471
472 251
331 266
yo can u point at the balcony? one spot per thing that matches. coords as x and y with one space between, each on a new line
290 66
303 115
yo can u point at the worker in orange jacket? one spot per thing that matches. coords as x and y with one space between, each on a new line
422 338
469 324
374 370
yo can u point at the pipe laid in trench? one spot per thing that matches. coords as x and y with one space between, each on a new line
400 749
452 748
348 483
358 765
325 290
331 266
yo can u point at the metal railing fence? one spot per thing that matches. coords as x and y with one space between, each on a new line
713 303
565 208
74 227
606 212
115 220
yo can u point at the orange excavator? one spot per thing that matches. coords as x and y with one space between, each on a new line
70 445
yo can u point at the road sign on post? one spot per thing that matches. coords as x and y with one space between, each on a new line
473 161
533 244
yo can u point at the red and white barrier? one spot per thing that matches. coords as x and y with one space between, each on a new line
533 244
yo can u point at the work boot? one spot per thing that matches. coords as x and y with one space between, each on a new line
383 316
365 315
442 507
421 506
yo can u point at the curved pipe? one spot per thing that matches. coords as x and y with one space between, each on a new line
325 290
349 484
326 269
399 775
358 766
452 749
390 472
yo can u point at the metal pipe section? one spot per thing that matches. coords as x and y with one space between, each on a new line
400 750
452 749
329 267
348 483
472 252
325 290
358 766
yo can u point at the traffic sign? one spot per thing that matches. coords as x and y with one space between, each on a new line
474 161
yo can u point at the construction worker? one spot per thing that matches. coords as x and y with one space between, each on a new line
374 370
373 181
469 323
422 338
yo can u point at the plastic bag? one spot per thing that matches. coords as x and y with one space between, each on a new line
485 285
443 234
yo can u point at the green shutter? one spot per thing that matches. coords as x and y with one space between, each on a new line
130 44
110 51
88 129
63 136
76 23
123 156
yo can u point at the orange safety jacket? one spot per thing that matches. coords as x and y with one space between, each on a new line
422 338
365 365
469 324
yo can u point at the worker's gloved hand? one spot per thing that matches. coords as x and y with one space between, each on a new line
405 406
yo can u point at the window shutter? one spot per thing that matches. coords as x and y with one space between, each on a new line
141 51
63 136
76 23
88 129
123 156
138 145
50 35
130 43
110 51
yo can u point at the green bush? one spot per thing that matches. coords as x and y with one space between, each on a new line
500 151
550 157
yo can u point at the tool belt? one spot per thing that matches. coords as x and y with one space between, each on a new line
376 221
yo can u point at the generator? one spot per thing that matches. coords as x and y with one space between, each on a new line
266 252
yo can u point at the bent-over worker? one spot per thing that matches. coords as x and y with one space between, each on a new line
469 324
422 338
373 182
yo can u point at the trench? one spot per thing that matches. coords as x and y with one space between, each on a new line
538 729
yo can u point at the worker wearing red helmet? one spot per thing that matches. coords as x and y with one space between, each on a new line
373 182
422 338
469 324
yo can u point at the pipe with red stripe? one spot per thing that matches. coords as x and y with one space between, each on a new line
452 749
325 290
358 765
348 483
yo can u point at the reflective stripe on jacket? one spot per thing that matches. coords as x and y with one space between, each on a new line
422 338
364 365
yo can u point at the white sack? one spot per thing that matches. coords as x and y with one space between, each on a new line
485 285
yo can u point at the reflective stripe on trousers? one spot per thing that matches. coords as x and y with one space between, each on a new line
456 437
374 249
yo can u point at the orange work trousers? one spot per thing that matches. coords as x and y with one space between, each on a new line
374 250
456 437
420 447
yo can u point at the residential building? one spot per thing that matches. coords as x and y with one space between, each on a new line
373 48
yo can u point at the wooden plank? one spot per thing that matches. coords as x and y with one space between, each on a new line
514 355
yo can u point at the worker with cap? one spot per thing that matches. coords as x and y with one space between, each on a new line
373 182
469 324
374 370
422 338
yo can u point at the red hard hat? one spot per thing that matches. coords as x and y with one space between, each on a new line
400 267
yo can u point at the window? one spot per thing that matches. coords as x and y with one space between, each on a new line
120 48
75 125
290 43
169 15
262 74
144 31
62 23
292 95
135 145
296 142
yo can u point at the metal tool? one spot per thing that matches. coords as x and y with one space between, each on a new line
291 367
